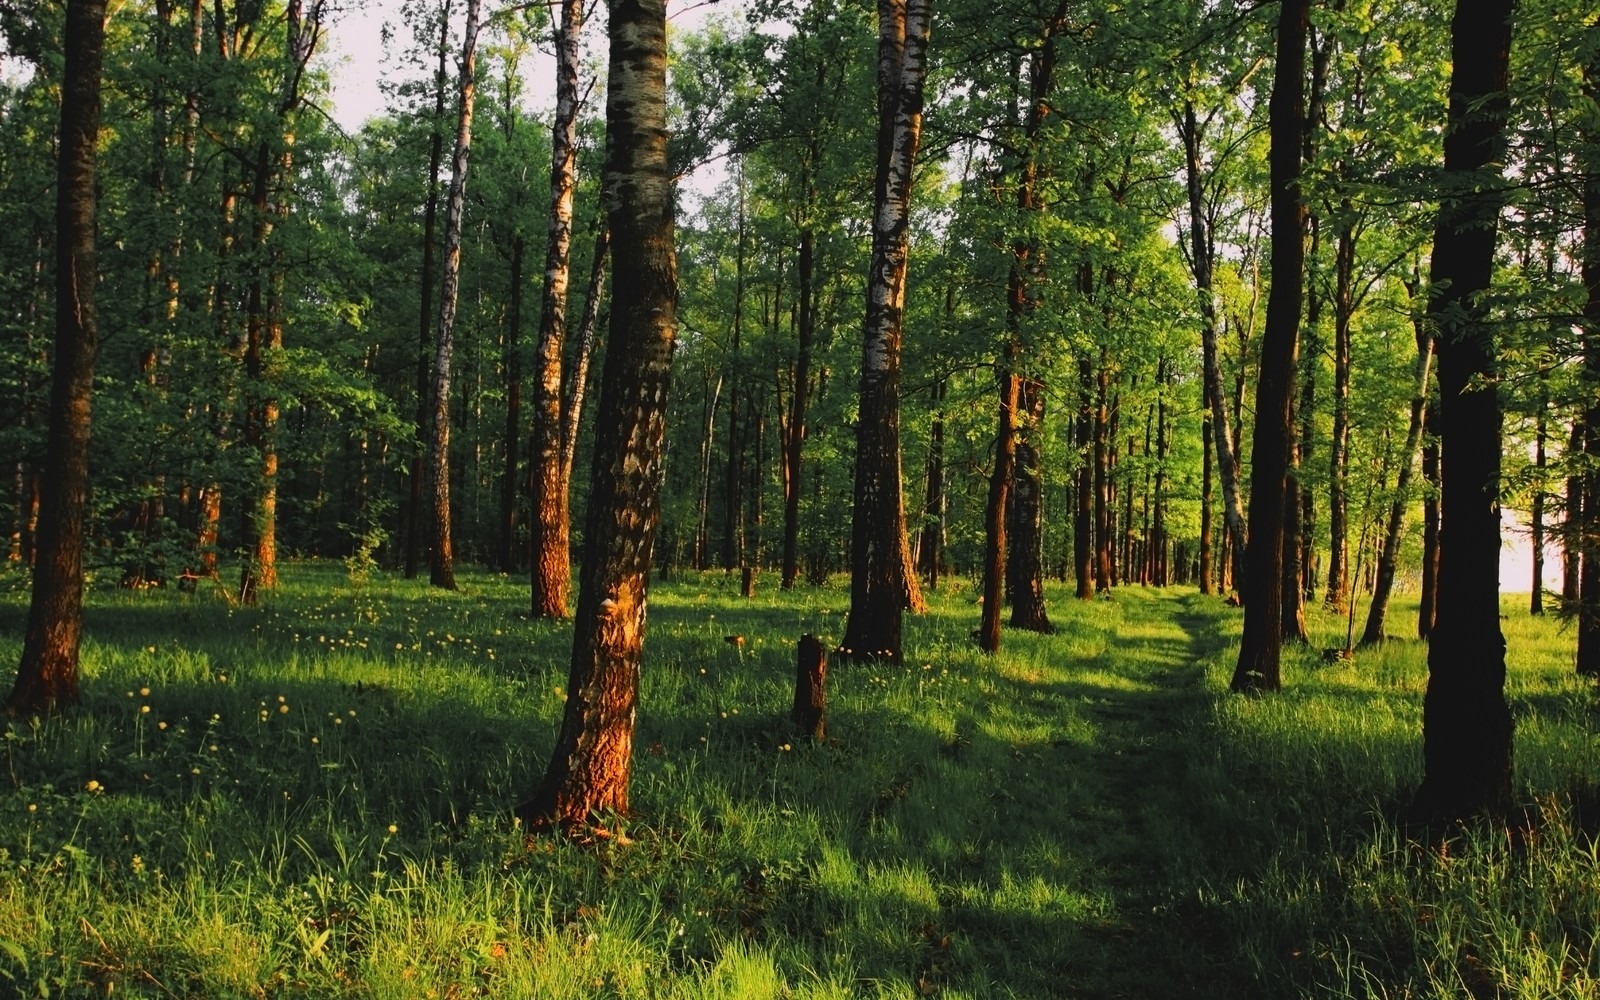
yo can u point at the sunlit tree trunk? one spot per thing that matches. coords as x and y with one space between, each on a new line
552 558
588 775
883 583
1466 724
47 676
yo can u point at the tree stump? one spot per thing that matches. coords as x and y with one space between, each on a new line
810 695
747 582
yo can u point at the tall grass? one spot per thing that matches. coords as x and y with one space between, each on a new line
313 799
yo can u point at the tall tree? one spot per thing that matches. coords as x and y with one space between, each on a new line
1466 724
441 564
47 677
552 559
1589 562
1261 645
590 767
882 582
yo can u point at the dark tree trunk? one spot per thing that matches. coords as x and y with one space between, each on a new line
1541 433
512 359
416 523
809 713
578 378
882 582
1083 494
1572 521
1589 564
795 433
1025 560
1339 442
1428 605
1258 667
588 775
441 564
931 548
47 676
1466 725
1000 483
1207 585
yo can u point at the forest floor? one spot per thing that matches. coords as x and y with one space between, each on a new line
311 799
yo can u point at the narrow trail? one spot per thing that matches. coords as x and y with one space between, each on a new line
1141 702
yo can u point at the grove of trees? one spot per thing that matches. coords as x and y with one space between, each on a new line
938 294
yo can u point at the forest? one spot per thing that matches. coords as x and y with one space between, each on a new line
1129 403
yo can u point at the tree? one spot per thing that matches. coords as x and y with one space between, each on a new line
588 774
442 562
882 582
552 559
1258 667
1466 724
47 677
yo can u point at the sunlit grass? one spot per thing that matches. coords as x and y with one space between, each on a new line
313 799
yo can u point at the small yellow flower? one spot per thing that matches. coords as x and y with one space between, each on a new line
393 829
161 725
144 709
33 807
283 709
92 786
144 692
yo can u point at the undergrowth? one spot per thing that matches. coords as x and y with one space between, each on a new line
313 799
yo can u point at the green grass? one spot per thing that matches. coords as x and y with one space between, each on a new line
313 799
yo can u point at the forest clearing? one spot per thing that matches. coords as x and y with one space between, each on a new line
313 798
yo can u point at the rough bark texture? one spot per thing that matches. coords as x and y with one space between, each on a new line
1466 725
809 714
1261 645
1025 515
794 435
578 380
882 583
589 770
441 562
47 676
551 514
1083 492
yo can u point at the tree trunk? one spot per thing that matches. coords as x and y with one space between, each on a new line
931 549
1541 433
1000 482
1201 256
441 564
1025 512
512 360
809 712
1572 520
578 378
47 676
1339 442
882 582
415 522
1207 585
1389 555
551 515
1260 647
1466 724
1428 604
1083 495
1589 563
1102 476
588 775
795 433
